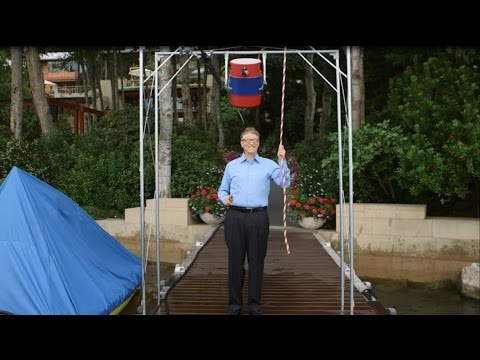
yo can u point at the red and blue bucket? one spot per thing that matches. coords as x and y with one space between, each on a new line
245 83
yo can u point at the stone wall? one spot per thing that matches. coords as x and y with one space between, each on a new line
397 241
178 232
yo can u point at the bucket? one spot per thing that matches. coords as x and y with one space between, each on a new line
246 83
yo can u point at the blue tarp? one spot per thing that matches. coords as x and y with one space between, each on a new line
54 258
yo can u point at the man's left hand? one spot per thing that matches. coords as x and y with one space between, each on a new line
281 152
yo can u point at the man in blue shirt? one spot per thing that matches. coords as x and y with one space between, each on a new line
245 187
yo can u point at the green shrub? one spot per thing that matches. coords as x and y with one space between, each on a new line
376 155
104 179
438 105
196 161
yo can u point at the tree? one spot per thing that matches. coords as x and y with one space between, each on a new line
35 75
16 114
358 88
326 113
311 97
437 104
186 98
215 108
166 126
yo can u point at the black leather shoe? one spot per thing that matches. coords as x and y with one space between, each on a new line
234 311
255 311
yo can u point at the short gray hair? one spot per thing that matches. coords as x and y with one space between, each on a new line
249 130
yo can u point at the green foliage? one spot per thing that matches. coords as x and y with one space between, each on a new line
293 124
5 134
232 122
312 182
104 179
434 150
55 152
377 152
5 74
21 154
439 106
379 67
193 151
271 142
48 157
310 197
31 125
309 154
311 150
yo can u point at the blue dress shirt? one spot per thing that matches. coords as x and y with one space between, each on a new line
249 180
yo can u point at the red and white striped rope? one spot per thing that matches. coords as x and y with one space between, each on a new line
282 160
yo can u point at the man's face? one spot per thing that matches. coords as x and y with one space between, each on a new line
250 143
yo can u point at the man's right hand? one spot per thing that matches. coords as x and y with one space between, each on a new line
228 200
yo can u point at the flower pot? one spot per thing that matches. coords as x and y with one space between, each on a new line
209 219
311 223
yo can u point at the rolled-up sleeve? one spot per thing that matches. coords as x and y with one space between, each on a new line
277 174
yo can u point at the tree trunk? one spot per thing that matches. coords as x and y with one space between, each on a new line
186 98
166 127
99 68
215 110
358 88
83 70
96 85
37 85
122 90
115 81
311 98
86 78
258 118
90 74
110 78
204 102
199 95
16 114
326 109
174 90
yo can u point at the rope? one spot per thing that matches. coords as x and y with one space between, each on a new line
282 160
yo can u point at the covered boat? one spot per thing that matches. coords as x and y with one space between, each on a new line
54 258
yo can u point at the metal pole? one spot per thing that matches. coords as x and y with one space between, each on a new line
142 190
340 180
157 244
350 178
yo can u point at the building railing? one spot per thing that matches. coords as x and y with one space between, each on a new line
71 89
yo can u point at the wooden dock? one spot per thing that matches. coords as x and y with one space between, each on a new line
306 282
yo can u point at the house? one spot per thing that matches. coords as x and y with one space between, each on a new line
62 76
64 81
65 91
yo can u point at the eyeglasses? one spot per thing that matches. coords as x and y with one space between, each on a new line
253 141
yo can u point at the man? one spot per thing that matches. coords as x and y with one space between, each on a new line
245 187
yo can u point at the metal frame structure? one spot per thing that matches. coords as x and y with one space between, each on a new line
337 87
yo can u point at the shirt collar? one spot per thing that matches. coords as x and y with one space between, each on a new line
256 158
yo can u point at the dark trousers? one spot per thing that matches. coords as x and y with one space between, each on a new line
246 234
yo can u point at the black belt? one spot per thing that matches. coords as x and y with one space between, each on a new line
248 209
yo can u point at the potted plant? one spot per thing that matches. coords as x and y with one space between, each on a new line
310 211
307 203
205 205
